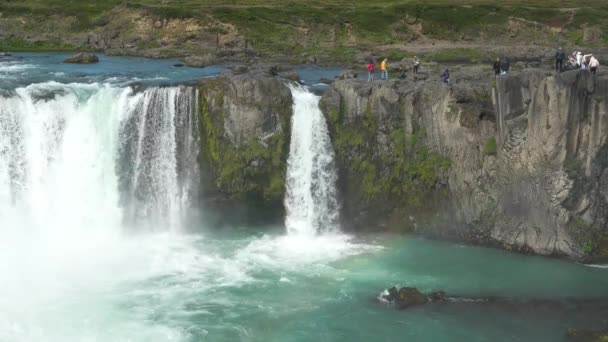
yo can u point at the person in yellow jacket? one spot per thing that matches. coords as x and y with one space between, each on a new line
384 69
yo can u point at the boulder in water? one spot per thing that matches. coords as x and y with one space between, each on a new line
391 294
409 296
406 297
82 58
200 61
5 54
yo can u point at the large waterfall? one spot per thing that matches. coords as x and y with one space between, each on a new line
96 157
311 199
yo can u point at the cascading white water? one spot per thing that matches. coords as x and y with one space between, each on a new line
159 155
70 160
311 200
74 177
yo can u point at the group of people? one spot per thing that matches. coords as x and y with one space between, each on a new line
576 60
502 67
384 69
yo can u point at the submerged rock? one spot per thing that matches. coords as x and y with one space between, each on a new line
576 335
438 296
82 58
5 54
200 61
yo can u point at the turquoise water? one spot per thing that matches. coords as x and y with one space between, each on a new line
23 69
238 286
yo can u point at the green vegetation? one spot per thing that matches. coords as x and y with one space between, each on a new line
490 148
25 45
466 55
338 29
407 174
250 170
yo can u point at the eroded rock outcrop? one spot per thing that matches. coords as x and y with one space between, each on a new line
245 123
522 164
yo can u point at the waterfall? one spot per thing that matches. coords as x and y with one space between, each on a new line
70 158
311 199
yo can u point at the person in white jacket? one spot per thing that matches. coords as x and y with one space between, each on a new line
593 64
579 59
585 63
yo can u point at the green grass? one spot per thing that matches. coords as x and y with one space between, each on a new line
490 147
273 25
34 46
451 55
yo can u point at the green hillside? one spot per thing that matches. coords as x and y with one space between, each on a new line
331 27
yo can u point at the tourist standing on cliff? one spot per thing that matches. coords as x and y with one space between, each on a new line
559 60
383 68
594 64
445 76
370 71
579 59
416 64
497 67
505 65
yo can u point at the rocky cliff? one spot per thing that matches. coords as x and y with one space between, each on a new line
245 125
520 163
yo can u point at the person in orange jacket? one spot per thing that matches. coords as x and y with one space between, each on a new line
384 68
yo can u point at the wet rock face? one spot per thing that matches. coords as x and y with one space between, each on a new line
82 58
521 164
245 122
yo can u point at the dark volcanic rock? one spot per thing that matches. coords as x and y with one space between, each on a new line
409 296
393 292
82 58
518 161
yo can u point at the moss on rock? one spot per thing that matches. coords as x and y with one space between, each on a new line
383 170
254 167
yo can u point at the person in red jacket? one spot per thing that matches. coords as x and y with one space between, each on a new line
370 71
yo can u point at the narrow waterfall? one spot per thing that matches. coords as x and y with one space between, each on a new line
311 199
70 157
